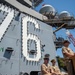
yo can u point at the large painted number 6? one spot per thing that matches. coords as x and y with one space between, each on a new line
29 36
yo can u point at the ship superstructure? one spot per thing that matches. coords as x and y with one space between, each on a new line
24 38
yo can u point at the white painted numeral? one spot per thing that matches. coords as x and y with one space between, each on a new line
6 21
29 36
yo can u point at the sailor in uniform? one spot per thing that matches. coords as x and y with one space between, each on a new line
55 68
68 53
45 67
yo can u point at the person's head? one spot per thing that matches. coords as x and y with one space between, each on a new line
66 43
46 60
53 61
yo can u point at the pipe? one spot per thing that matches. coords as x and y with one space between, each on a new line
59 28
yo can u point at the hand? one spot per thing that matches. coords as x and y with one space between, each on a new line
49 74
54 74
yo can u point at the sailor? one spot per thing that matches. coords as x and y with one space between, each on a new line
45 67
55 68
68 53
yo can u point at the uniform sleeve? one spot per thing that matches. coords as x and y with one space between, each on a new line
64 50
58 70
51 70
42 67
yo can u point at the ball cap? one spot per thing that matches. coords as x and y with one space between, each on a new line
66 41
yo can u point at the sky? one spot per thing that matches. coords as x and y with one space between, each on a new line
62 5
